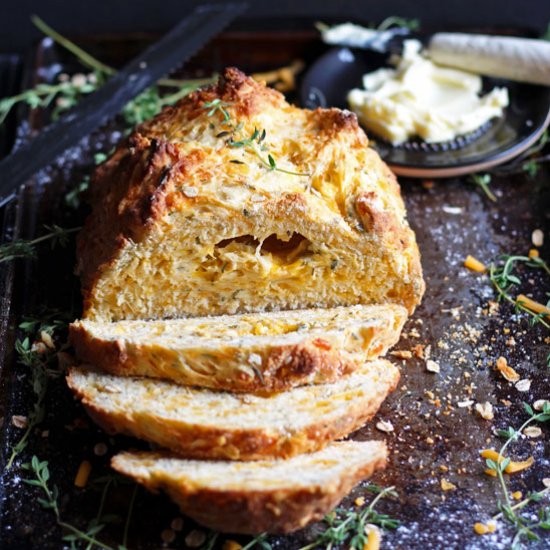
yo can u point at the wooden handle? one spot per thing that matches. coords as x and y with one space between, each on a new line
521 59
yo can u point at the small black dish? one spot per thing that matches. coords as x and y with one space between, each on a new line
329 79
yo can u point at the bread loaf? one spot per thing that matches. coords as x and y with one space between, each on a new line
219 425
274 496
261 352
235 201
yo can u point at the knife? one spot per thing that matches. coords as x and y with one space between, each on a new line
159 59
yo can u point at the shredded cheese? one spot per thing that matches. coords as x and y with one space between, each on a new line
536 307
511 468
83 474
485 528
474 264
374 538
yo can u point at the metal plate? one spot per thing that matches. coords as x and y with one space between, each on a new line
427 438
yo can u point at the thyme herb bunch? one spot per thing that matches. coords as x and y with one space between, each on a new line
254 144
22 248
349 526
504 277
36 349
523 526
49 501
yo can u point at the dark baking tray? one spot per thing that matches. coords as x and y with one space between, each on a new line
426 439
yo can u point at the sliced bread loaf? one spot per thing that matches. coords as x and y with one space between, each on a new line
200 423
275 496
261 352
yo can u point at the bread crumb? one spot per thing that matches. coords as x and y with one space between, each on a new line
168 535
19 421
485 410
532 431
47 339
507 372
539 404
447 485
432 366
401 354
176 524
100 449
537 237
384 426
523 385
195 538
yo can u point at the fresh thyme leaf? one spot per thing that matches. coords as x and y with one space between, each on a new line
483 181
40 358
218 106
50 502
349 526
72 197
503 278
396 21
524 526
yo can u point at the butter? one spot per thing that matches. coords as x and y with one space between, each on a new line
420 98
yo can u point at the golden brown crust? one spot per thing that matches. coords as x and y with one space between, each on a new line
287 366
278 366
254 512
196 441
134 192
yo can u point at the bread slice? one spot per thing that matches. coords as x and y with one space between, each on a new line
207 424
235 201
261 352
274 496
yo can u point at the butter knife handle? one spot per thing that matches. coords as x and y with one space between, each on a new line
520 59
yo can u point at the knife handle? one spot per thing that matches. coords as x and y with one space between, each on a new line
521 59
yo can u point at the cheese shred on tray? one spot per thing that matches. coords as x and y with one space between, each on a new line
234 201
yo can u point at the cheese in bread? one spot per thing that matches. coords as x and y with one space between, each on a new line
235 201
274 496
262 352
199 423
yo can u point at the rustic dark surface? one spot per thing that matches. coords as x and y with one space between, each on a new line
465 340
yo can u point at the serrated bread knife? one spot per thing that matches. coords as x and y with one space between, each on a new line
171 51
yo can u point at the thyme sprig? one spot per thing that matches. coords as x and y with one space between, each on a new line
349 526
22 248
483 181
49 501
66 92
523 526
504 278
32 352
253 144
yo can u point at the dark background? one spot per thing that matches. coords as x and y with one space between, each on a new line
104 16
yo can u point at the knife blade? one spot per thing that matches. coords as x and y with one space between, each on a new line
171 51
